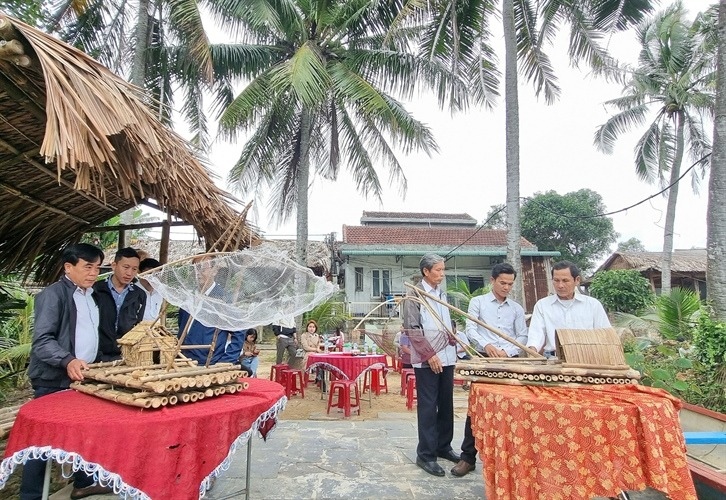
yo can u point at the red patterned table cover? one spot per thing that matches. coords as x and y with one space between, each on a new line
575 443
345 364
173 452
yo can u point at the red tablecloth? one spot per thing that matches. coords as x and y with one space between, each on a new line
575 443
167 453
347 365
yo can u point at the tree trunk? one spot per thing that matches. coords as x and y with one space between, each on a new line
511 103
716 214
303 179
665 276
138 69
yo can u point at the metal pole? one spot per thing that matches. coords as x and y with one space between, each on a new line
46 479
249 467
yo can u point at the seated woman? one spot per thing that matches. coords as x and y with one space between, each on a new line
310 342
250 353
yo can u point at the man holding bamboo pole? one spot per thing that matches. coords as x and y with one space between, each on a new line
496 309
433 355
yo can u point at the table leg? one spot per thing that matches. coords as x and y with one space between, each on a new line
248 471
46 479
249 468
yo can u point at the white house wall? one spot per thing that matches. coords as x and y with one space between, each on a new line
405 269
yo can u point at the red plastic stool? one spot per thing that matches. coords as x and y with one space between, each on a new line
410 392
276 372
290 380
405 373
343 388
375 380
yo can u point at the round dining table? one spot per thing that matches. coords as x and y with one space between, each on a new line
171 452
344 364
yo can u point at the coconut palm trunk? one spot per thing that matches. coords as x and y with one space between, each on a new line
303 180
671 208
511 100
716 214
138 68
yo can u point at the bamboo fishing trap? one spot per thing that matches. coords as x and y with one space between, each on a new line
584 357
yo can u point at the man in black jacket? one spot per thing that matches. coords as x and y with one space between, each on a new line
65 340
121 302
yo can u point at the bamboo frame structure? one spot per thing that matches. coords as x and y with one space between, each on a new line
155 386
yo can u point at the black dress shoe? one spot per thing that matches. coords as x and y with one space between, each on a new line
431 467
451 456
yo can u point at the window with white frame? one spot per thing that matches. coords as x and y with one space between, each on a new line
358 279
381 282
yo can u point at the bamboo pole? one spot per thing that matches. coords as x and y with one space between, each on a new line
218 368
141 403
181 341
10 409
479 322
127 381
211 347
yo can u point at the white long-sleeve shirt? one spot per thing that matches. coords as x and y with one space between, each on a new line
507 316
582 312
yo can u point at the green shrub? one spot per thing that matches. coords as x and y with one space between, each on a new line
678 313
661 365
622 291
709 339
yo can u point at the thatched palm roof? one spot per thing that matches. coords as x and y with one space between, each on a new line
683 261
78 146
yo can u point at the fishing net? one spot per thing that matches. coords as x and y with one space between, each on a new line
240 290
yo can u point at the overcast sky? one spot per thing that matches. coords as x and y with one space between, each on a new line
468 173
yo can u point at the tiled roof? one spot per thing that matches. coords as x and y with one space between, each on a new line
422 216
426 236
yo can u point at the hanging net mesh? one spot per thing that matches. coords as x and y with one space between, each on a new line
240 290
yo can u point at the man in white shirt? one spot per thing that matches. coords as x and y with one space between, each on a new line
498 310
565 309
433 355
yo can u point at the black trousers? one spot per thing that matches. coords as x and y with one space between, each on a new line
31 484
435 412
468 449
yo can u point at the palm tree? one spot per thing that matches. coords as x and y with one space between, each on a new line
321 78
716 224
160 46
462 34
674 80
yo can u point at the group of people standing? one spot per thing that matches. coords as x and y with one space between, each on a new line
78 320
434 350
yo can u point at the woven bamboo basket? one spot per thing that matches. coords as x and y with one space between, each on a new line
584 357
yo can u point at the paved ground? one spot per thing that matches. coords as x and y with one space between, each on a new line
343 459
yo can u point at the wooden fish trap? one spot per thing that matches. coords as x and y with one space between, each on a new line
585 357
155 386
